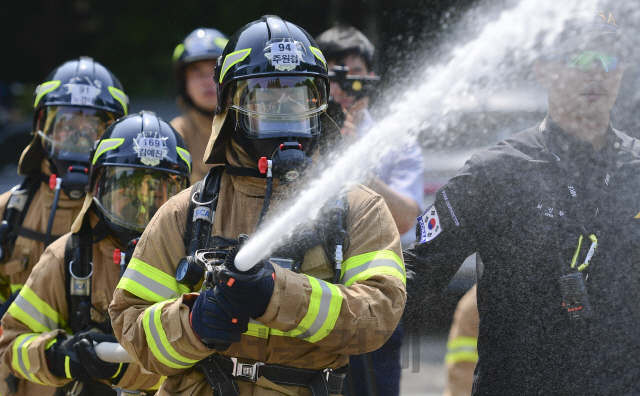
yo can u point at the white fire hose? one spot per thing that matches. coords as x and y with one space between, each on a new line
112 352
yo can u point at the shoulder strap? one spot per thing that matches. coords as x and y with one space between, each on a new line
202 207
15 212
78 254
196 189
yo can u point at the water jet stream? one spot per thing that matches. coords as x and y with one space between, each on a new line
503 49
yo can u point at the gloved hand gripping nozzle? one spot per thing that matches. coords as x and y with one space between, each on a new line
243 294
222 311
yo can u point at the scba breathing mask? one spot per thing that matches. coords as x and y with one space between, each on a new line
280 116
68 134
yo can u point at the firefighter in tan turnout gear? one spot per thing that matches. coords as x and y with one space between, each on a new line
287 326
138 165
462 346
73 107
194 62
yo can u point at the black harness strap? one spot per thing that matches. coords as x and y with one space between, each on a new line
78 254
34 235
221 372
218 375
204 193
15 212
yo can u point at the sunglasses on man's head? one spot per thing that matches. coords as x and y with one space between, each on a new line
585 60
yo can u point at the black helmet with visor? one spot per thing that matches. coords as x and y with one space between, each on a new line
272 81
74 106
139 163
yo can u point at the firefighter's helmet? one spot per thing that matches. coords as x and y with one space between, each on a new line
201 44
139 163
73 107
272 85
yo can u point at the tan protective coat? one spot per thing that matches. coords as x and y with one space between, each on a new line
26 254
195 128
465 323
48 281
369 313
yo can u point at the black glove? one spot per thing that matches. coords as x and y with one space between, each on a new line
96 368
83 363
213 325
244 295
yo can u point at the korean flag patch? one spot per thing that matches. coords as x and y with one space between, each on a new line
429 224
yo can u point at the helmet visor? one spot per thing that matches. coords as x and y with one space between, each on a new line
280 104
68 132
129 197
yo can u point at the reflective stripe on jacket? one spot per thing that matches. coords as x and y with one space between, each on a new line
26 253
309 323
40 313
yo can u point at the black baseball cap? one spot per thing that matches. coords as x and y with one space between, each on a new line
585 26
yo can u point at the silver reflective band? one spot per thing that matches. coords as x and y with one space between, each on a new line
36 315
323 312
21 362
350 273
155 334
150 284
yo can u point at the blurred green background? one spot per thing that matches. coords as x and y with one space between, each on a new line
135 39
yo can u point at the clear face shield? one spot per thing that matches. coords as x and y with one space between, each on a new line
280 105
129 197
68 132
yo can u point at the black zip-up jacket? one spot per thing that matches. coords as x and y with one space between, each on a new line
522 206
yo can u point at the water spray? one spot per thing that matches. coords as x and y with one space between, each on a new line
504 47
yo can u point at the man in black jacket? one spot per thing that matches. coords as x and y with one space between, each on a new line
553 212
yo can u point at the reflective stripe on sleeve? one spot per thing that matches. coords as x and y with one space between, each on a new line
321 317
20 358
257 329
34 312
364 266
157 386
150 283
158 341
462 349
67 367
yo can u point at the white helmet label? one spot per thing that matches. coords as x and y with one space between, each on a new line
83 95
284 55
150 147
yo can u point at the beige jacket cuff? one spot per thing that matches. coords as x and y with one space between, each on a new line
38 360
180 332
286 301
